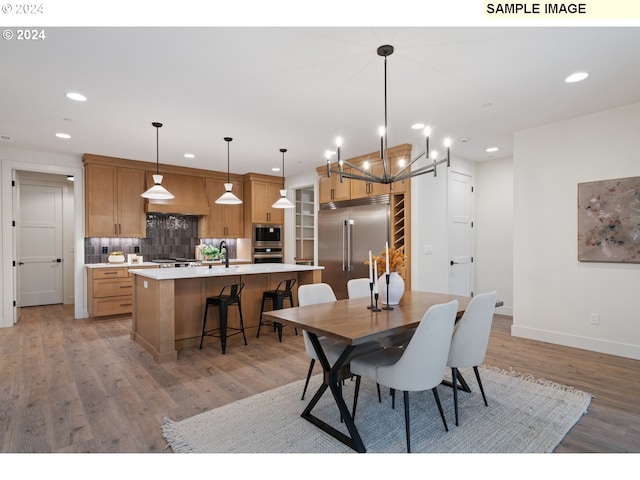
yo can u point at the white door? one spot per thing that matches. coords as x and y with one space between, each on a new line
40 245
460 236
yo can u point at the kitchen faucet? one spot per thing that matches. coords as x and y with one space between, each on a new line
223 244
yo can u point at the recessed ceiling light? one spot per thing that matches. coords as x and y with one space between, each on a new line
576 77
418 126
492 149
189 155
275 169
63 135
78 97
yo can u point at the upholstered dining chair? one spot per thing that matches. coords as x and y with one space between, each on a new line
418 366
470 340
312 294
358 288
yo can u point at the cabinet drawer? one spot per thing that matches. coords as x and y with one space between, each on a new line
109 272
112 305
111 288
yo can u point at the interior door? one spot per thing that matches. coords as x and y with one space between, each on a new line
40 239
460 234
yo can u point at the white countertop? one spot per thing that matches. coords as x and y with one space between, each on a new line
220 271
155 264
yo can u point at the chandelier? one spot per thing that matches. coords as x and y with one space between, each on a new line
357 172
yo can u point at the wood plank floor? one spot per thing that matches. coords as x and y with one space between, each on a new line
71 385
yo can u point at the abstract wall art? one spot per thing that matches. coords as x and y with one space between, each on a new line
609 221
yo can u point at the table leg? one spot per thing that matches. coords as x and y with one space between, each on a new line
331 380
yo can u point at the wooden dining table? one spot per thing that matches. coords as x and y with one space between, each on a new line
352 323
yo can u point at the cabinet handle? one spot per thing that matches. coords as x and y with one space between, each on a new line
115 228
110 273
126 286
126 304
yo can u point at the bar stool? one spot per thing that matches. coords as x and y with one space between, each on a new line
228 296
277 296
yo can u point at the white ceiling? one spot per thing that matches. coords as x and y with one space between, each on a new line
299 88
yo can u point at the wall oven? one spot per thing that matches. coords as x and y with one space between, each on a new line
267 255
267 235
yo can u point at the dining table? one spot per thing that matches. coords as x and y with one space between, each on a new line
353 322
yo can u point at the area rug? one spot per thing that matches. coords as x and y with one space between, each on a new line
525 415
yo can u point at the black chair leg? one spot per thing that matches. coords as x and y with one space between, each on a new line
306 384
454 381
379 396
204 324
355 396
475 369
393 398
260 322
242 321
437 397
406 421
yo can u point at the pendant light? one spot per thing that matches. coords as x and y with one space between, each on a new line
283 201
157 192
228 198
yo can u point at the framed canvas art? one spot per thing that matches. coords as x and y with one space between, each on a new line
609 221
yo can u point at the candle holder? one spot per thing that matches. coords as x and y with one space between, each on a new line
371 306
375 308
387 306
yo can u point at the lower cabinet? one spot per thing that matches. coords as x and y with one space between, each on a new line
110 291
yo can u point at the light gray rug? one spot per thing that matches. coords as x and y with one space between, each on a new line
524 415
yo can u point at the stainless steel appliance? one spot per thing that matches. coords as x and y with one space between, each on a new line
175 262
267 235
345 236
267 255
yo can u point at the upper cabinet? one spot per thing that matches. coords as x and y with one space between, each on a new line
263 191
223 221
331 188
114 207
189 191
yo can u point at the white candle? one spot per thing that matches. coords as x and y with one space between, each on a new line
375 278
370 268
386 247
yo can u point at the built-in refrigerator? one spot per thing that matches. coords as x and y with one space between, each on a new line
345 236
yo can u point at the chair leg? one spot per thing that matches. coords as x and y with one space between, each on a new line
306 384
393 398
260 321
355 396
379 396
406 420
204 324
454 381
241 322
437 397
475 369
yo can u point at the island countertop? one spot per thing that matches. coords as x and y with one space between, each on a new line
220 271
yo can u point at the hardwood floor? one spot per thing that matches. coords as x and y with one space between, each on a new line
83 386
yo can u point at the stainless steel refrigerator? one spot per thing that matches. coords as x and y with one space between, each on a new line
345 236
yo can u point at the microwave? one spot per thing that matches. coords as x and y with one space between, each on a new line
269 235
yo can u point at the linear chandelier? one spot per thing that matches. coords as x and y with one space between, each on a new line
387 176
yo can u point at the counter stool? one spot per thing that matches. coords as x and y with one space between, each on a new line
277 296
229 295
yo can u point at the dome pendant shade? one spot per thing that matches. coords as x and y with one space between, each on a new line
157 192
228 198
283 201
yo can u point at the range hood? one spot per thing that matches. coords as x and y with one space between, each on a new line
190 195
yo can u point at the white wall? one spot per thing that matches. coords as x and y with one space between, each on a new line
554 294
494 230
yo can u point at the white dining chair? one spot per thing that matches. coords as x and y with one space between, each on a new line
470 340
418 366
358 288
313 294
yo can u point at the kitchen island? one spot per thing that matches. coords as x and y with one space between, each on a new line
168 303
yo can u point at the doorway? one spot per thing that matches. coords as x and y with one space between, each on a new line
460 218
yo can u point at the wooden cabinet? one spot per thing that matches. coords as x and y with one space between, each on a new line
114 207
223 221
330 188
262 191
110 291
189 191
360 189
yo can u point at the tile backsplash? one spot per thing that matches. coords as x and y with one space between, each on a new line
168 236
